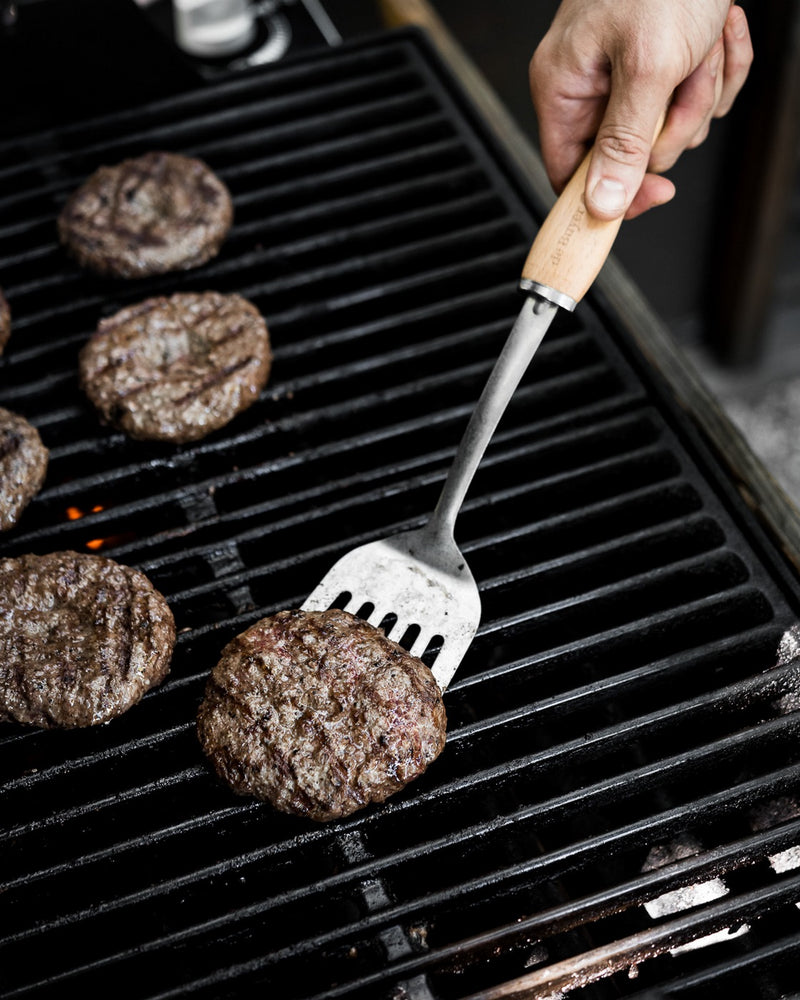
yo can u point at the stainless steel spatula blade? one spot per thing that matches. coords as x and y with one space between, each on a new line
418 576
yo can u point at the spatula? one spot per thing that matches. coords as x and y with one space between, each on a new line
421 576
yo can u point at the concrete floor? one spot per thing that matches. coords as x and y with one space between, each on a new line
665 252
763 403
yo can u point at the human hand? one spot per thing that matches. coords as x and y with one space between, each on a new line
605 73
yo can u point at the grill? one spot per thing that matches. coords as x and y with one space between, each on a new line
616 810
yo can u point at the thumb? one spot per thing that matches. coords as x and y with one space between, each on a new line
622 151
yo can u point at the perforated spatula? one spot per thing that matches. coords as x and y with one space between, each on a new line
421 576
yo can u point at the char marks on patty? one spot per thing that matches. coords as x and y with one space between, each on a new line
177 368
320 714
155 213
82 639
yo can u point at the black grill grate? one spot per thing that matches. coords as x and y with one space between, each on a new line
622 693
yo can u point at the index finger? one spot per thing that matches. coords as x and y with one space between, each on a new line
567 116
565 136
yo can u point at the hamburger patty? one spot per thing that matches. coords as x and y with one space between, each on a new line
156 213
23 466
175 369
82 638
5 321
320 714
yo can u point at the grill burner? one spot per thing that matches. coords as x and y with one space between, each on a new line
624 727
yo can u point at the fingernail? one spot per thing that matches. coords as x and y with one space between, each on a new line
608 195
714 64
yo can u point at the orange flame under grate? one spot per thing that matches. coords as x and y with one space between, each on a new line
75 514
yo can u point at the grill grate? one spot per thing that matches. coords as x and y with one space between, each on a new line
624 693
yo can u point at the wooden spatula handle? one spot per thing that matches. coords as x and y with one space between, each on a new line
571 245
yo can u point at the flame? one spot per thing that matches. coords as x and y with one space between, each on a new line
75 514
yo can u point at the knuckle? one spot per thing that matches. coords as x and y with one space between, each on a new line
623 146
699 138
643 63
663 160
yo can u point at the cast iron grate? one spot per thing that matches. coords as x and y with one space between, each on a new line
623 694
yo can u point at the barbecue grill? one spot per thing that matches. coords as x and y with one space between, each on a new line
616 812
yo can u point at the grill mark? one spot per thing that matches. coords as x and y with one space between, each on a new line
126 316
124 651
299 796
144 309
214 379
166 380
228 338
217 310
117 363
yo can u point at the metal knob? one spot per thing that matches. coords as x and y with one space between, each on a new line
211 28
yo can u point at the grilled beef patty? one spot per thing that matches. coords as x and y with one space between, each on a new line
320 714
82 638
23 466
5 321
156 213
175 369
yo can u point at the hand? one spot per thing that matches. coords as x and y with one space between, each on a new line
607 70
